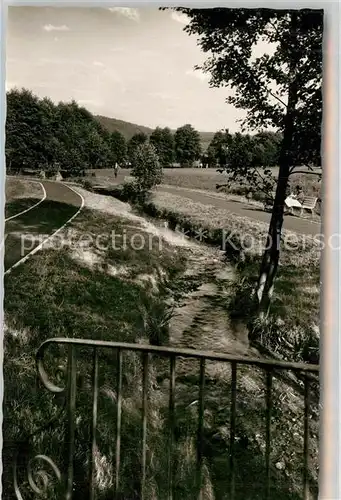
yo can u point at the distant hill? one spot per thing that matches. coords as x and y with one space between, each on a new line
206 138
128 129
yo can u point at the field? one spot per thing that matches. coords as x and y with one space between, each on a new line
207 179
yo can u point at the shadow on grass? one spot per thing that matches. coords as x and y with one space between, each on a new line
48 216
25 232
19 205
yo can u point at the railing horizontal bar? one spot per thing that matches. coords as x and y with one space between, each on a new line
187 353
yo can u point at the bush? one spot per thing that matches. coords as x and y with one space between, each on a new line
147 169
86 184
134 193
118 192
258 196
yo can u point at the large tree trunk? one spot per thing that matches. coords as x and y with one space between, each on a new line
270 258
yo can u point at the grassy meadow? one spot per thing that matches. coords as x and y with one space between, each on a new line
206 179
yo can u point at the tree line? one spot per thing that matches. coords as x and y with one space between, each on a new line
184 148
43 135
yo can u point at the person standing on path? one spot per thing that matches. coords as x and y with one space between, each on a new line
116 167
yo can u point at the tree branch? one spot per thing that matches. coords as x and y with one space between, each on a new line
309 167
261 187
304 172
278 98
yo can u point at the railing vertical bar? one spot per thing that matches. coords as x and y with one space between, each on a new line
171 427
94 423
233 427
200 426
306 437
118 420
144 421
268 432
71 410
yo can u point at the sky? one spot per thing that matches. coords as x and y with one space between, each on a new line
127 63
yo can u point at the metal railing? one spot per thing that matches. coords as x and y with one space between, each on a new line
305 373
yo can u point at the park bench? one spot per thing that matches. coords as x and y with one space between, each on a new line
308 203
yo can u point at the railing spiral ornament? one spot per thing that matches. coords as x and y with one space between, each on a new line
40 471
44 377
40 479
41 475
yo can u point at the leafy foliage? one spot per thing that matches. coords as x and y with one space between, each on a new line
163 141
248 160
42 135
118 147
28 122
218 149
128 129
187 145
230 37
280 88
146 170
267 148
134 143
242 150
